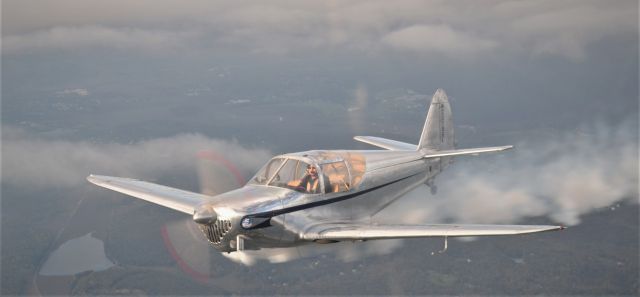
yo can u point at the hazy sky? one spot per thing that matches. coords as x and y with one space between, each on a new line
449 29
526 54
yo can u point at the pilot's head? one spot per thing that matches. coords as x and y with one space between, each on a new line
312 171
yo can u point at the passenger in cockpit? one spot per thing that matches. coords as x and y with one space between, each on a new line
310 183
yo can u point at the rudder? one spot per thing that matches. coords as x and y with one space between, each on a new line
437 133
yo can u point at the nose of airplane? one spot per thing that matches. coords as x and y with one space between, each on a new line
205 214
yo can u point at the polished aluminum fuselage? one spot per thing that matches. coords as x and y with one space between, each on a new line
387 176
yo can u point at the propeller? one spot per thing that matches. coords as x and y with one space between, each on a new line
183 238
217 174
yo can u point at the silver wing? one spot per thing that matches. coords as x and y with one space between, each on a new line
180 200
354 231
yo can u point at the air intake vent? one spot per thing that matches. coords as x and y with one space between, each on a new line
214 232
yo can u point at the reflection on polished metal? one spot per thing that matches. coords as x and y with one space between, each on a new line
240 242
326 196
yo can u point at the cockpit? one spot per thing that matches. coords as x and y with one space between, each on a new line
313 172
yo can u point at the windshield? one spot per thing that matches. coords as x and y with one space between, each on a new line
267 172
335 172
292 174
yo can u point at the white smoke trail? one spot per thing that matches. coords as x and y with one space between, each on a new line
562 178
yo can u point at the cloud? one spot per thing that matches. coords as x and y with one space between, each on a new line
29 161
441 39
458 28
68 38
76 92
566 31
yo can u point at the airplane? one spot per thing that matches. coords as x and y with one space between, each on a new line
326 196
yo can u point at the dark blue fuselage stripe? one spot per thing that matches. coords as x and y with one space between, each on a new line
274 213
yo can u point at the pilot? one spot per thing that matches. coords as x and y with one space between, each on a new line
310 183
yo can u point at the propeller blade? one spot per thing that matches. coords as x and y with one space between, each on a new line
189 248
216 174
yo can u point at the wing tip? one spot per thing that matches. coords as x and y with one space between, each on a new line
554 228
100 179
94 179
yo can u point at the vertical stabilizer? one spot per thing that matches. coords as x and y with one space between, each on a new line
437 133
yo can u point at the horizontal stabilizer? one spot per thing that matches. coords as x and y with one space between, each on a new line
471 151
387 144
347 231
180 200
